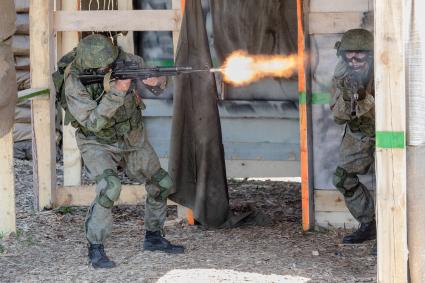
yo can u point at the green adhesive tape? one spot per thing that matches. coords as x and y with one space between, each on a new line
317 98
387 139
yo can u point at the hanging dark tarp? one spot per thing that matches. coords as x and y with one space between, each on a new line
196 155
7 67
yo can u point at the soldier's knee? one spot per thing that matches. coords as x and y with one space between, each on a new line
340 176
163 180
110 188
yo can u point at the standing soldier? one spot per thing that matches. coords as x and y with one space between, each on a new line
109 131
353 105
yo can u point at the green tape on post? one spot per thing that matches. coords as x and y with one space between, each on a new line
317 98
387 139
31 93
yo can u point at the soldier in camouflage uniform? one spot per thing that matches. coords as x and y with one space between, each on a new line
110 131
353 105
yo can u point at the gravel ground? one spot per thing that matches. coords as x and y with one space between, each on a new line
49 246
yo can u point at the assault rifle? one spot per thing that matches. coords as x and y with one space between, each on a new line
123 70
353 85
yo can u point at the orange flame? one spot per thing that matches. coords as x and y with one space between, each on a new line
240 68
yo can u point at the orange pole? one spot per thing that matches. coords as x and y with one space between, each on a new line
183 4
304 158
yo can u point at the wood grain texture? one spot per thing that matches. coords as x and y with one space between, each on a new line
124 20
7 185
43 108
391 162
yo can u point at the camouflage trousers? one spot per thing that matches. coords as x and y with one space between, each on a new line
356 155
140 161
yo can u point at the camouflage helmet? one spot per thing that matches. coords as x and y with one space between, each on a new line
355 40
95 51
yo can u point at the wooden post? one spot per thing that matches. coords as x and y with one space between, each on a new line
307 184
126 42
43 108
390 109
71 155
7 185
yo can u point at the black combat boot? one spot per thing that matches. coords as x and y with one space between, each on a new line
155 242
98 258
366 231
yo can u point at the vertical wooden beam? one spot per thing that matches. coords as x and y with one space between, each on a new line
390 109
43 109
307 184
126 42
7 185
66 41
177 5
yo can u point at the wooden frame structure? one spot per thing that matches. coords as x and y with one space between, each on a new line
390 118
63 27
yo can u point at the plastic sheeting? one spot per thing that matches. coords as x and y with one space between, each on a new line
415 75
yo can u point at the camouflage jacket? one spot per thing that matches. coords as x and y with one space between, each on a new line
364 121
105 116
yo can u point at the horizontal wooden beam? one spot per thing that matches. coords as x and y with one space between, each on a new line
323 6
117 20
335 219
84 195
330 201
325 23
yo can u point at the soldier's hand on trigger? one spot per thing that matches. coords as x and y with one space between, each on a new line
362 93
122 85
155 81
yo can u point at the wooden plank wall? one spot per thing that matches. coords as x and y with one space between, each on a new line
327 21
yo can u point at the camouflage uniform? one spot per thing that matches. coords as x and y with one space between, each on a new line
356 152
110 131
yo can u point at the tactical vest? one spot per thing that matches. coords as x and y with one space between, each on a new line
126 118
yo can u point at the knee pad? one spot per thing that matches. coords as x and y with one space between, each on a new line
110 188
339 180
339 177
163 180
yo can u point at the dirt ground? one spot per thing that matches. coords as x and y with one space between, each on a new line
49 246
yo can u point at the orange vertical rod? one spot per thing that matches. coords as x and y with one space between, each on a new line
307 205
183 5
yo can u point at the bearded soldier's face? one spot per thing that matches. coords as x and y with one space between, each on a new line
358 61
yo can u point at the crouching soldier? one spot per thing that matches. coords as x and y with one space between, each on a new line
353 105
110 131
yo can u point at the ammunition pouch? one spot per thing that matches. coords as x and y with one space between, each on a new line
109 188
113 130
